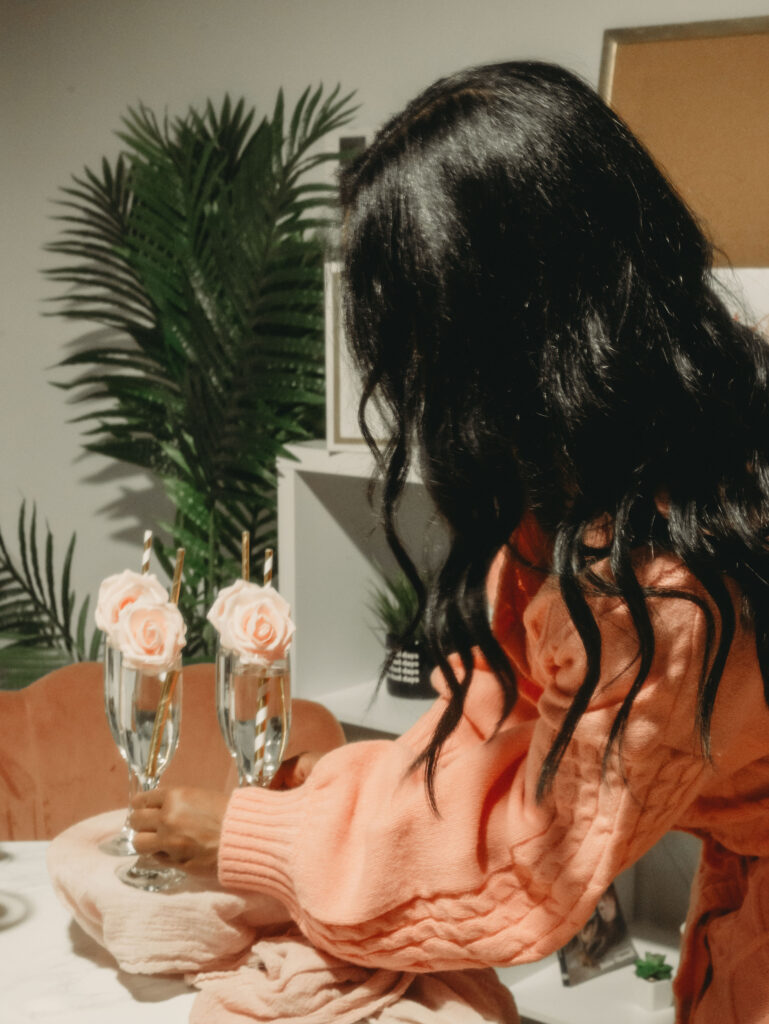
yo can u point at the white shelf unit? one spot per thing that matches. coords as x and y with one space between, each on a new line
329 547
541 995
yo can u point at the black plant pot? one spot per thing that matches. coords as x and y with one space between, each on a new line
408 675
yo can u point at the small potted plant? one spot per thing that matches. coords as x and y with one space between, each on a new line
653 982
407 667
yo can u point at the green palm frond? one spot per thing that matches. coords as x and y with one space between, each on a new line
199 247
35 610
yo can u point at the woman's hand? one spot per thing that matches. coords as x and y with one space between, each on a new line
182 825
296 770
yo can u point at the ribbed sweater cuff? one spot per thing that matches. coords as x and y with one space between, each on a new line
259 836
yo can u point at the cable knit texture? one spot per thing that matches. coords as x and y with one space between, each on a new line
372 876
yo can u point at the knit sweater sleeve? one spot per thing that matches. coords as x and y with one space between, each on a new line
371 874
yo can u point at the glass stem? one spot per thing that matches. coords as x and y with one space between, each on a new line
133 788
145 861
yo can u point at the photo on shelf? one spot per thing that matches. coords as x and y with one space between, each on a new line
602 945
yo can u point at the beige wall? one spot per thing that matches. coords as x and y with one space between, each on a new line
69 69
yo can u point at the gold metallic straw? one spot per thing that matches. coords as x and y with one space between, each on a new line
176 586
245 555
146 552
284 720
169 683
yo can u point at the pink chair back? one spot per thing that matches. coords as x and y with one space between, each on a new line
59 763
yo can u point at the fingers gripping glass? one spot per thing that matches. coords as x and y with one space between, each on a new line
151 711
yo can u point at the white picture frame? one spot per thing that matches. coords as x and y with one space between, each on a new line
343 386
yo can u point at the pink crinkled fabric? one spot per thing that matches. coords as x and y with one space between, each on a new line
198 928
285 979
243 953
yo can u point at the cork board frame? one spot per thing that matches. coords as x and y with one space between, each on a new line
697 95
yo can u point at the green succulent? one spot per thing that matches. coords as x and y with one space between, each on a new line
652 967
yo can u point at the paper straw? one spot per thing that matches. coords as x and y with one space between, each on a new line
176 586
169 683
245 555
260 738
284 720
260 722
146 552
268 567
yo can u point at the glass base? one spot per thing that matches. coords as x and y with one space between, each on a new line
120 845
147 874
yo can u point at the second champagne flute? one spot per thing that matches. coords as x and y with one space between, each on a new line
257 711
253 672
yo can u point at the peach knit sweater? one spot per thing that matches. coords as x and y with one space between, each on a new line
372 876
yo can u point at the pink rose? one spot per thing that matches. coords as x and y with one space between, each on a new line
253 621
150 636
120 590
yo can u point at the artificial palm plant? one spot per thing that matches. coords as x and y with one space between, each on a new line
407 666
40 626
200 250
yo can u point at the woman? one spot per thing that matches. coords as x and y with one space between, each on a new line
532 302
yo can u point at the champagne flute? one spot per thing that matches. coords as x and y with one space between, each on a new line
120 845
223 678
150 706
253 699
254 712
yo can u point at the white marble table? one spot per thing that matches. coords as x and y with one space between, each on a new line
51 972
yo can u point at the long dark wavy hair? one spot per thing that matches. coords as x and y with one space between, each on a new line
532 303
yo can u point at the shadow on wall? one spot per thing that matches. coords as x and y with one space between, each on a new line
142 500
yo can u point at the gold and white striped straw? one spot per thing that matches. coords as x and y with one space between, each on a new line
268 567
260 726
146 552
260 723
